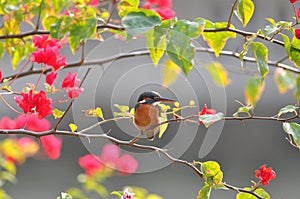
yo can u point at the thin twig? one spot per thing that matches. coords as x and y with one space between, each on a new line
231 13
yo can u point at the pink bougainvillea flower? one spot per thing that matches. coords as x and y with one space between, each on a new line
110 155
165 13
52 146
1 76
35 102
93 3
71 84
110 158
90 164
127 194
47 52
297 33
293 1
32 122
265 174
69 80
7 123
74 92
50 78
162 7
127 164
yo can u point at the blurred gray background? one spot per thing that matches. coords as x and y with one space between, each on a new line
240 149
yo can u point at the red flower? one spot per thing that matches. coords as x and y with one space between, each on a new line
51 146
297 33
35 103
165 13
265 174
50 78
1 76
90 164
7 123
71 84
293 1
28 146
73 93
93 3
32 122
48 52
162 7
110 158
127 164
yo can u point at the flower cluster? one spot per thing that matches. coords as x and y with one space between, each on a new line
47 52
265 174
50 143
127 194
35 102
71 84
162 7
109 158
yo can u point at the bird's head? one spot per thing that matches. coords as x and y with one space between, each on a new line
152 97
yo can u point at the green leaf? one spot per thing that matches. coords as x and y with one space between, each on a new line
293 129
245 10
73 127
210 119
219 74
259 191
297 92
287 44
287 109
243 109
260 53
170 73
217 40
293 50
156 44
204 192
58 113
181 52
212 173
126 6
284 79
192 29
82 29
253 90
48 21
246 46
139 22
277 27
96 112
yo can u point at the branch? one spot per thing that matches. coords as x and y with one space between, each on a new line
123 143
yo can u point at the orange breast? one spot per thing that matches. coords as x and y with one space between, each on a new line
145 116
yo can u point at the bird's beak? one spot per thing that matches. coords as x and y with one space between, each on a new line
166 100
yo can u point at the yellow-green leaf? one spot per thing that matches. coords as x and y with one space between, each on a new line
212 173
57 113
259 191
260 52
217 40
245 10
122 108
219 74
170 73
192 103
297 92
285 80
287 109
204 192
156 44
253 90
163 127
96 112
73 127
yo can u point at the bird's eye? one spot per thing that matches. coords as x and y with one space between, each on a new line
156 98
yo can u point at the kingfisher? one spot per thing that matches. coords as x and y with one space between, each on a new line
146 114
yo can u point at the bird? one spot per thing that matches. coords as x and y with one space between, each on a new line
146 113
